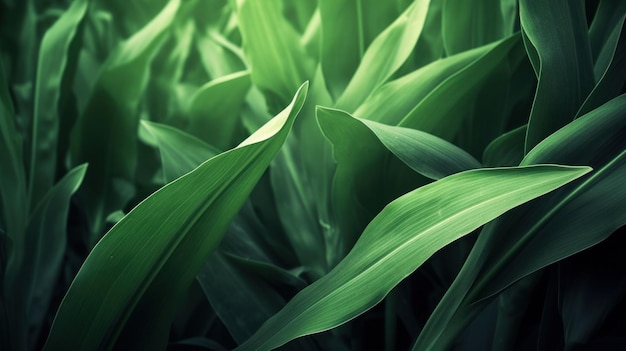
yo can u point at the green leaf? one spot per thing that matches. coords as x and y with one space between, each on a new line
277 60
215 108
557 31
480 24
51 68
354 204
46 241
402 237
385 55
506 150
146 262
538 234
607 17
610 70
105 135
13 220
180 152
359 22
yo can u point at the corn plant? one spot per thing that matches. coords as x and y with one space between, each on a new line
312 175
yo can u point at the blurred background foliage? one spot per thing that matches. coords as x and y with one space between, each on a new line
105 102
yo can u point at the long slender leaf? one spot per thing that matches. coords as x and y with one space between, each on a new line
105 136
144 265
545 231
400 239
557 30
278 62
52 65
385 55
481 24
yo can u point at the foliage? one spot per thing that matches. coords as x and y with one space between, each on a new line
312 175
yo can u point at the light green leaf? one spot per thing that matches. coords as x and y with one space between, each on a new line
105 135
277 60
402 237
215 108
359 22
146 262
51 68
557 31
385 55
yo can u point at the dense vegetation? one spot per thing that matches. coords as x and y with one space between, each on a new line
312 175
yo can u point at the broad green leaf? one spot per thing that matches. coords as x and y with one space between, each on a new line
506 150
46 240
466 25
219 56
105 135
402 237
215 108
180 152
277 61
51 68
353 203
146 262
536 235
557 31
385 55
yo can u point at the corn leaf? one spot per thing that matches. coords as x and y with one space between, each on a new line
538 234
506 150
218 103
105 135
401 237
481 24
277 61
557 32
51 68
180 152
385 55
146 262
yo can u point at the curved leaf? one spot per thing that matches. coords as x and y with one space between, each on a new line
105 135
214 109
557 31
146 262
385 55
538 234
402 237
51 68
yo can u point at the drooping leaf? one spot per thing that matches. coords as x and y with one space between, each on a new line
146 262
404 235
538 234
105 135
557 32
